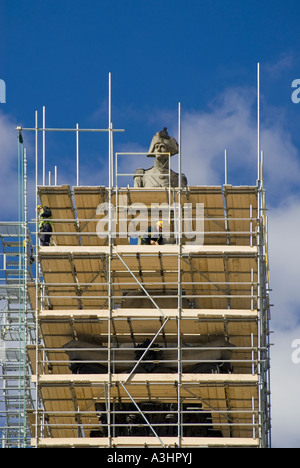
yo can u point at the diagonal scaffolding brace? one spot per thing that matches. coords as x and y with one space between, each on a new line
139 283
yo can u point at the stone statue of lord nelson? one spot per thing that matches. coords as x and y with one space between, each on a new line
162 148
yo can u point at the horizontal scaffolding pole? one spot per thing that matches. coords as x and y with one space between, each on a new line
69 129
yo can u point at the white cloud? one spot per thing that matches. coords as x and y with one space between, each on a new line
285 382
231 124
205 135
285 62
284 224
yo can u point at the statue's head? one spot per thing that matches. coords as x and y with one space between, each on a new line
162 145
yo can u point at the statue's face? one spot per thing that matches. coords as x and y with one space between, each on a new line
161 148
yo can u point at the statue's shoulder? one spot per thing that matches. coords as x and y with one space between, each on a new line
139 172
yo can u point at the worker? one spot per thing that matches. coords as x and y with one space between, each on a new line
45 225
154 235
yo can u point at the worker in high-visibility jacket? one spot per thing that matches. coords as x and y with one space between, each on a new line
45 225
154 235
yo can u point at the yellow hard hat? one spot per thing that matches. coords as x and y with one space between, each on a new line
159 223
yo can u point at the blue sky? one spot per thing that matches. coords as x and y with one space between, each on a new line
202 54
59 54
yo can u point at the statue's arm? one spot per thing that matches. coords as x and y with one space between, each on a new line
183 180
139 178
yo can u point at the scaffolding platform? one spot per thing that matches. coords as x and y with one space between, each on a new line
229 212
59 392
222 275
148 442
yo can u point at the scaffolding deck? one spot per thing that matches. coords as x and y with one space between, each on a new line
229 212
135 326
213 276
149 442
66 396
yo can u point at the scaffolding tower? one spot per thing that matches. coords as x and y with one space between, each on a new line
198 316
17 328
149 345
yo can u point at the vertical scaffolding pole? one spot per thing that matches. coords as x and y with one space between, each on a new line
259 262
44 146
24 318
109 291
226 168
258 122
19 432
179 355
77 155
36 287
263 353
262 324
110 134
